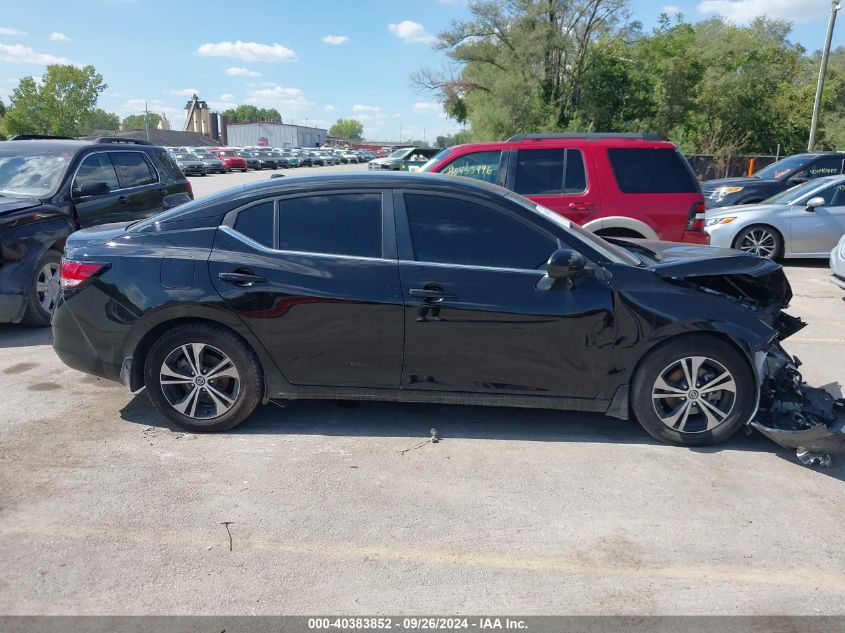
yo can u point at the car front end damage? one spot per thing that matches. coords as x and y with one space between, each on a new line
791 413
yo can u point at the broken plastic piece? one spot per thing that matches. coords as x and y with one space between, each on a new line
808 458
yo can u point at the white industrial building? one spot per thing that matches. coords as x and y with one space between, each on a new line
274 135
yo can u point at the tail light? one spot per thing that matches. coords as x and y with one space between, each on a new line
190 189
695 221
73 274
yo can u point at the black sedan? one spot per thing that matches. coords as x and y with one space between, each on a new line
423 288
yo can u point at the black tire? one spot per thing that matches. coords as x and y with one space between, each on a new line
664 361
764 233
245 391
36 314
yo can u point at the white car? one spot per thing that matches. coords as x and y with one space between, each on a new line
837 264
805 221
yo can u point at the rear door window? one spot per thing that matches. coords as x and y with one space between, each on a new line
550 172
333 224
651 170
133 169
479 165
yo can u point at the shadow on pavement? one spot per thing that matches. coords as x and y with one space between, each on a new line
12 335
383 419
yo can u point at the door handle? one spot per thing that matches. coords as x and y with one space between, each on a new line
241 278
163 191
123 199
581 206
431 293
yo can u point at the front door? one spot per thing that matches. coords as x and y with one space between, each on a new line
98 209
478 317
315 278
818 231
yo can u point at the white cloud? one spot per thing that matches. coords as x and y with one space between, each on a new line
248 51
743 11
335 40
20 54
411 32
237 71
5 30
227 96
183 92
286 100
330 108
365 108
59 37
423 107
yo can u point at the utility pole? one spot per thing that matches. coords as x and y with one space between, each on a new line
814 126
147 121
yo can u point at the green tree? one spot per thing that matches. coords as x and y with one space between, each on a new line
347 129
98 120
136 121
252 114
59 105
448 140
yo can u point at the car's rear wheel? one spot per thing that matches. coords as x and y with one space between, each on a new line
760 240
203 377
43 291
694 390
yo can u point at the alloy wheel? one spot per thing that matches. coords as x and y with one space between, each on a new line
47 286
199 381
760 242
694 394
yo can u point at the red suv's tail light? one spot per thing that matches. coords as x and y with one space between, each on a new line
695 222
74 273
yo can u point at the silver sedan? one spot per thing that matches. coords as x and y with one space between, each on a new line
805 221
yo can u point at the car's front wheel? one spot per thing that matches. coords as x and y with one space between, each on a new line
694 390
760 240
203 377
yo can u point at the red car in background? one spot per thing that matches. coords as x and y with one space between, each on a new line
230 158
615 185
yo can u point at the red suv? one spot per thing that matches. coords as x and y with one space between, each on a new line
620 185
229 158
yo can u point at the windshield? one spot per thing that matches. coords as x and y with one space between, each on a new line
185 157
31 176
793 195
400 153
443 153
609 251
781 168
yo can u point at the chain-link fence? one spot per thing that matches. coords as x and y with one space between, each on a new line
708 167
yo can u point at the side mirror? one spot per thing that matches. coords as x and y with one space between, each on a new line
812 203
91 189
565 263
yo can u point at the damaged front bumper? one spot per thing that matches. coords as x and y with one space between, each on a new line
807 419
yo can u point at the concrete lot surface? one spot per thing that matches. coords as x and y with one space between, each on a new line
106 508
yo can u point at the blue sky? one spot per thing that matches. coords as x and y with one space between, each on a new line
315 60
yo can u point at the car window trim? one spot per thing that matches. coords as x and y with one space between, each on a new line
388 233
107 151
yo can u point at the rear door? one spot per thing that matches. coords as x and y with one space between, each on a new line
315 277
142 193
558 179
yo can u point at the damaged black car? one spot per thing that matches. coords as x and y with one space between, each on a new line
430 288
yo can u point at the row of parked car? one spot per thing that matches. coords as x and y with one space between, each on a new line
201 161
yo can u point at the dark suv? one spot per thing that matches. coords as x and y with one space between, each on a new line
612 184
769 181
50 187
